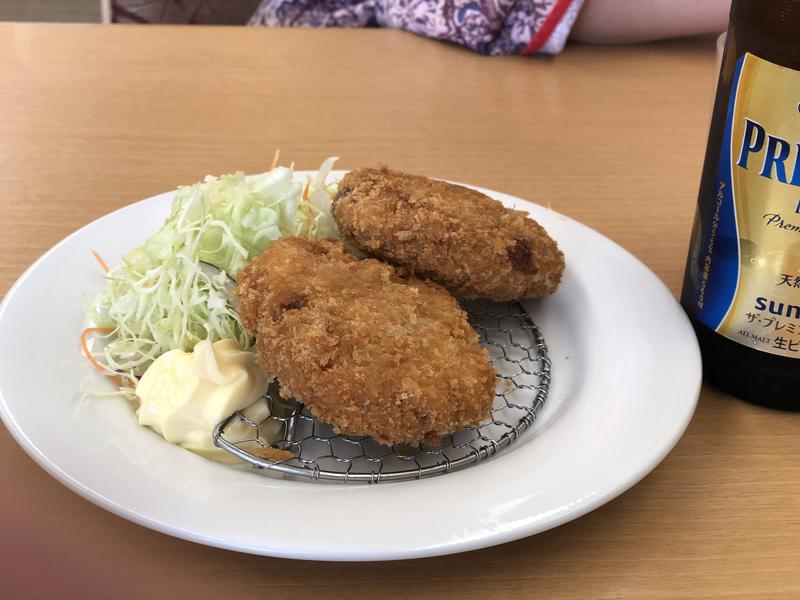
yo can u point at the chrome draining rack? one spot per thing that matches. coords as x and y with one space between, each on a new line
517 351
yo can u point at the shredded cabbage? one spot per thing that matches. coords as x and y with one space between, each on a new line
162 297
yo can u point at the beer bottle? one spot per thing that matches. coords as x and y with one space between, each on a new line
742 282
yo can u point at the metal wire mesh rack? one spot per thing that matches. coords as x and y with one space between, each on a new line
517 351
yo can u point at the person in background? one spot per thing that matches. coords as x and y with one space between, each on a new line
490 27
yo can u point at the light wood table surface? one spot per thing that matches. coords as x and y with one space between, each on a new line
93 118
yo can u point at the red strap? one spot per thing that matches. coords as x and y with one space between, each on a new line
550 23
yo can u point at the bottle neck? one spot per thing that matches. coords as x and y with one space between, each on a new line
768 28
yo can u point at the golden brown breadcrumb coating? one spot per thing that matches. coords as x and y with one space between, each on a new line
367 351
458 237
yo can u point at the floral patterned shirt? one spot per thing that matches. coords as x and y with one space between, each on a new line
488 27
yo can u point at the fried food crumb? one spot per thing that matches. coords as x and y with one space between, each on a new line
270 453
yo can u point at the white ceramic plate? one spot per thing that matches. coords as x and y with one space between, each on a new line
626 377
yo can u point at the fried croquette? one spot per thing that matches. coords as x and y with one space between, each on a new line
366 350
455 236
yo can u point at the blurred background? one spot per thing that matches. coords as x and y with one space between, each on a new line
227 12
76 11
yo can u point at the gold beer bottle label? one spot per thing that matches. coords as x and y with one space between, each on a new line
750 251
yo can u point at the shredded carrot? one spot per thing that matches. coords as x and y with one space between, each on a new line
275 159
117 379
101 261
306 190
85 346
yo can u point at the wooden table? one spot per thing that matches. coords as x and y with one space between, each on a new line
93 118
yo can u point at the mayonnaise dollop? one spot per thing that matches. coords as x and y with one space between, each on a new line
184 395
